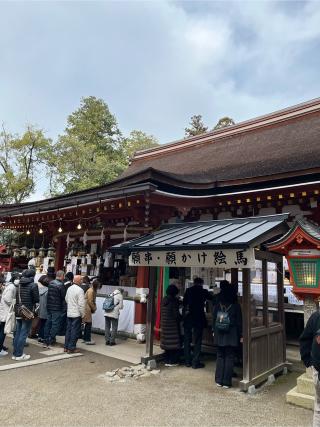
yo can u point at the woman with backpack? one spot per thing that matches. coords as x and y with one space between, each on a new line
227 332
112 306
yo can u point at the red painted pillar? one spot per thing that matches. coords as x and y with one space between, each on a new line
140 315
60 253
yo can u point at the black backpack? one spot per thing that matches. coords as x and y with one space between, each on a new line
223 319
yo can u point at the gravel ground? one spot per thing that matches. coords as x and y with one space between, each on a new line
74 393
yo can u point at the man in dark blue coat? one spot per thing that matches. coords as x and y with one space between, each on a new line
55 308
194 321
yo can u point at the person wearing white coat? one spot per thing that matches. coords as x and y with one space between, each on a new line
112 318
8 296
75 312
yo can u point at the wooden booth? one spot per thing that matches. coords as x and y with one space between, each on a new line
233 245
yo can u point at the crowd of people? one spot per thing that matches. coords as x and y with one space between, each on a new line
182 326
58 304
62 305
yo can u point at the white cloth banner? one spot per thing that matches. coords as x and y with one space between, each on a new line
126 318
221 258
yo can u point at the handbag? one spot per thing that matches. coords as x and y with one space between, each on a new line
10 324
24 311
36 310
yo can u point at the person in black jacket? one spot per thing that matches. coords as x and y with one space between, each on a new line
27 294
170 339
226 340
310 355
194 321
55 307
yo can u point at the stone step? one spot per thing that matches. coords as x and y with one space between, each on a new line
305 385
300 399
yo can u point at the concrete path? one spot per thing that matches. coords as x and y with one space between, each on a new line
128 350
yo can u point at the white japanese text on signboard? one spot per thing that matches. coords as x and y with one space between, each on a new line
220 258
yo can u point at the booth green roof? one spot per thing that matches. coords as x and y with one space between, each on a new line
227 234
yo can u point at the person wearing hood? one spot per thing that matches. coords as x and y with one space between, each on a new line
27 294
43 313
55 308
112 317
170 339
8 296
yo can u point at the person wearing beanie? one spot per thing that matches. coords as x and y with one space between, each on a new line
27 294
170 339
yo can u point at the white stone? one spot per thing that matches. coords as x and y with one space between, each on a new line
252 389
152 364
271 379
110 374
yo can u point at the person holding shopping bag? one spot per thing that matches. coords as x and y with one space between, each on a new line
6 309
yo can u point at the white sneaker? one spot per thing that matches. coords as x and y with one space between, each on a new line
3 353
226 386
13 358
89 342
23 357
171 365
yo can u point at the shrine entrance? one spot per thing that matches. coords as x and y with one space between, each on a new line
233 245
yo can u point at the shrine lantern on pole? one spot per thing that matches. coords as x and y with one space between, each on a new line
301 247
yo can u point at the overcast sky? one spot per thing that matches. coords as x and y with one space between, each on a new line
156 63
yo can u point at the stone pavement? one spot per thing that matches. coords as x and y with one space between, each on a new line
38 355
128 350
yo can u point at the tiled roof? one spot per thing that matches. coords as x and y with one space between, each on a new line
230 233
284 147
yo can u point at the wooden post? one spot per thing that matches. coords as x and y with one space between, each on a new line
265 293
151 311
246 323
281 312
234 276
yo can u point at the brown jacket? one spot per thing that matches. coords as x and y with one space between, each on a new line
90 298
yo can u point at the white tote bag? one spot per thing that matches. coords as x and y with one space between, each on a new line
10 324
